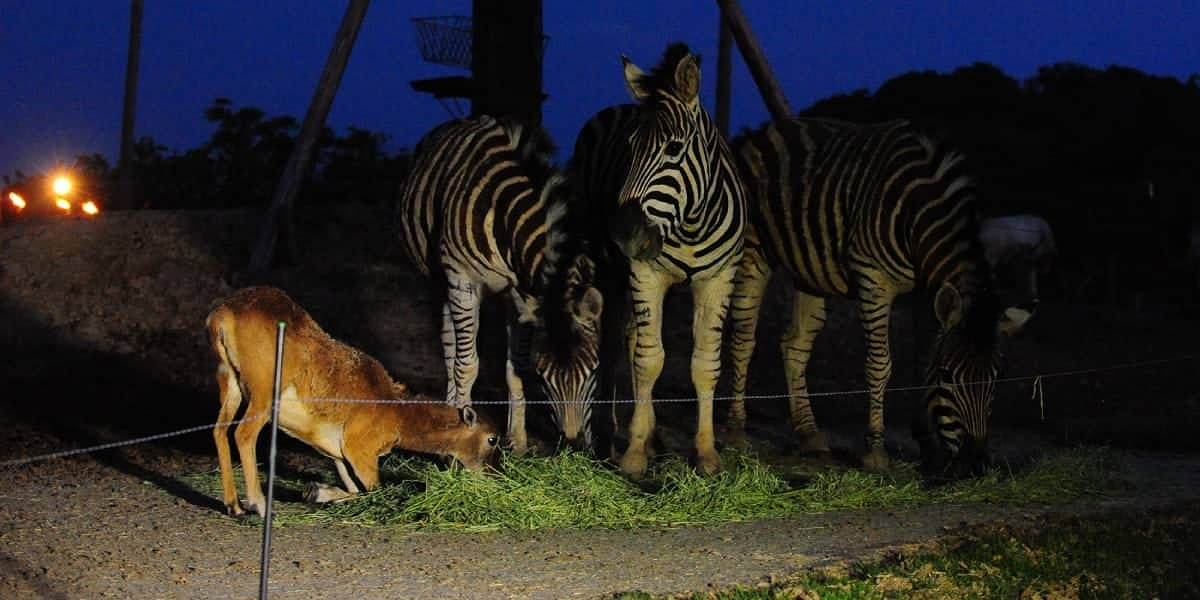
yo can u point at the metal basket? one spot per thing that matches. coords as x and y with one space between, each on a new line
445 40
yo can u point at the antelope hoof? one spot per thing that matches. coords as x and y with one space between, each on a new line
875 460
234 509
312 493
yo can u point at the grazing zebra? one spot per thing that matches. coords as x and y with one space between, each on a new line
870 212
484 209
662 188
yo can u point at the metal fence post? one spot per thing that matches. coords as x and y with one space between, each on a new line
266 543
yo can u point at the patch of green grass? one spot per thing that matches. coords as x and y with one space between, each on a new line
571 490
1134 556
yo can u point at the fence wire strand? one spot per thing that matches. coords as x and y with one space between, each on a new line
1037 378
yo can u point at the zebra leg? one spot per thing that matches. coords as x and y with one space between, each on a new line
648 287
749 286
460 327
875 309
711 300
807 320
518 356
449 351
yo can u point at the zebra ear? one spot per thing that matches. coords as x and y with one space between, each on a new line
633 79
687 79
583 270
948 306
589 306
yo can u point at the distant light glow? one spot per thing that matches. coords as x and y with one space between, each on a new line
62 203
17 200
62 186
90 207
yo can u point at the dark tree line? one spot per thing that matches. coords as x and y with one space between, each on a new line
239 165
1110 157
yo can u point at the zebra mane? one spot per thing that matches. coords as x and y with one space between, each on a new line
661 79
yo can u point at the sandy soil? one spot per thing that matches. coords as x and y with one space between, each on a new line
101 340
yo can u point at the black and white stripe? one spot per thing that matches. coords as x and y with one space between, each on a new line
484 209
664 195
869 212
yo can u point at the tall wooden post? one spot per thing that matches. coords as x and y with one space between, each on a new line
506 58
127 196
279 213
724 73
760 69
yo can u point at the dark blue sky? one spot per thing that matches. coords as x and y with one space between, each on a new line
62 63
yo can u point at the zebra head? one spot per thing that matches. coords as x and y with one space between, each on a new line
668 153
566 353
962 376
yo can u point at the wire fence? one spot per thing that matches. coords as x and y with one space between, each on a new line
1037 379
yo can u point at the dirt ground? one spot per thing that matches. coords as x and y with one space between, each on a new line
101 340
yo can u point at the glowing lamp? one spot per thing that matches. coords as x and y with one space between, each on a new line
62 203
17 201
90 208
62 186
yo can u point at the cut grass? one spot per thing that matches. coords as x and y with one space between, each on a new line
1154 555
571 490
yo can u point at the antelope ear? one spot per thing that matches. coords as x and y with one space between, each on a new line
589 306
1012 320
687 79
468 416
633 79
948 306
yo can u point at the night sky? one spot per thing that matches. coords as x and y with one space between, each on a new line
62 63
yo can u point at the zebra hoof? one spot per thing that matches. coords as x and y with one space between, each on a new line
519 447
875 460
734 435
633 464
814 445
708 463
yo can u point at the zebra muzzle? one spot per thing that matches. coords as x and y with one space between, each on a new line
633 235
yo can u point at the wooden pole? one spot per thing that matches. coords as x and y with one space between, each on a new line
760 69
127 197
279 213
506 58
724 73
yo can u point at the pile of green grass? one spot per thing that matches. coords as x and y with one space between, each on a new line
571 490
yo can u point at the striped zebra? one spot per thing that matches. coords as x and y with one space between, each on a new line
484 210
661 187
870 212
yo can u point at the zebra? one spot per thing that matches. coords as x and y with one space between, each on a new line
665 199
484 210
870 212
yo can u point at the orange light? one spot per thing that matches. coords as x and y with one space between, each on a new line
17 200
62 203
62 186
90 208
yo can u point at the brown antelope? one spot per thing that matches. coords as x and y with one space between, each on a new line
317 370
